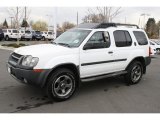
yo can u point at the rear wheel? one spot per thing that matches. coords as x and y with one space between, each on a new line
61 85
135 72
7 38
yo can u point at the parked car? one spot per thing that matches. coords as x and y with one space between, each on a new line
10 34
89 52
47 35
156 44
153 49
37 35
21 33
1 34
29 35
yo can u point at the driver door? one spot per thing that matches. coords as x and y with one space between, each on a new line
96 56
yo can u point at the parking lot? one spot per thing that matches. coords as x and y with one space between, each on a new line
110 95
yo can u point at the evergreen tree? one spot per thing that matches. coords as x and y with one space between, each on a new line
5 24
24 23
151 28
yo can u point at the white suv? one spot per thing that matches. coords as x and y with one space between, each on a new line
10 34
47 35
88 52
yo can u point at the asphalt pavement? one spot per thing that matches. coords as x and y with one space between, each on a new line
109 95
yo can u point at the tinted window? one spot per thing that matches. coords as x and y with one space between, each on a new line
141 38
14 31
50 33
9 31
37 32
122 38
28 32
99 40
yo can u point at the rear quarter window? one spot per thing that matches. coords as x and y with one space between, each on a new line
140 37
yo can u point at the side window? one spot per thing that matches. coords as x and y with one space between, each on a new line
122 38
99 40
9 31
128 38
140 37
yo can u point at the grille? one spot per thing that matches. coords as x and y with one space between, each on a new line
14 58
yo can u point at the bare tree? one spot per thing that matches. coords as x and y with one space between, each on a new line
18 14
102 14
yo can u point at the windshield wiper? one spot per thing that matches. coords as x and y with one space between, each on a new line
64 44
53 42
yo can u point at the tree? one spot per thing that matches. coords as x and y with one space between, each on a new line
101 14
24 23
67 25
18 14
151 28
5 24
40 25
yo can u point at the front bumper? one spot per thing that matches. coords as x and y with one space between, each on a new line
28 76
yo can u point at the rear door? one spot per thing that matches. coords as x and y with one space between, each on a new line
123 48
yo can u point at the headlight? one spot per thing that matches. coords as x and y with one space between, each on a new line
30 61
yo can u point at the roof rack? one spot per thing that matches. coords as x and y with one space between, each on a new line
104 25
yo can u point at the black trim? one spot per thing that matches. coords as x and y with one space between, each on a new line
101 62
147 60
96 77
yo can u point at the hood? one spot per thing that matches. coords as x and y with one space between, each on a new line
43 50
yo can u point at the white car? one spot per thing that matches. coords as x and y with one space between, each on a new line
21 33
156 44
152 49
91 51
10 34
47 35
29 35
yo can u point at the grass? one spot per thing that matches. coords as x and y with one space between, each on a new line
14 45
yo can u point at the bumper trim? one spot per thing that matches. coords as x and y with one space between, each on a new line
29 76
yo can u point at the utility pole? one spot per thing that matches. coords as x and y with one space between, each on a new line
55 22
17 25
77 18
25 15
125 20
144 18
11 21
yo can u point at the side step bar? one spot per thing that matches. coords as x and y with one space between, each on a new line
92 78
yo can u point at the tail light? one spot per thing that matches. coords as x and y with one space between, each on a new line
150 51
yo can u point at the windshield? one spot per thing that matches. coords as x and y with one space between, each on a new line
37 32
50 33
28 32
15 31
72 38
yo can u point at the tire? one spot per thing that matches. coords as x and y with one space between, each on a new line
7 38
61 85
134 73
43 38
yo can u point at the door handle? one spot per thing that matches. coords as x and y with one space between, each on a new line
110 52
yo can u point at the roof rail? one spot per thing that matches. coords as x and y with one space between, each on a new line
104 25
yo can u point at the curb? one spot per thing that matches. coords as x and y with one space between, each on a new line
7 48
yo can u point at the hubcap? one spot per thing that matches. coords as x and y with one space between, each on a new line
63 85
136 73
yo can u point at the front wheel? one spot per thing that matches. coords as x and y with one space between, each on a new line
135 72
61 85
